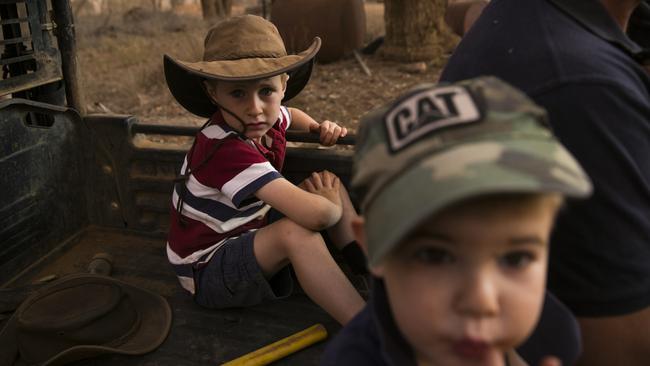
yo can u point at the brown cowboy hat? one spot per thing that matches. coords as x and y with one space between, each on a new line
81 316
241 48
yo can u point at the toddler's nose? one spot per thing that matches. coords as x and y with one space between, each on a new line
478 296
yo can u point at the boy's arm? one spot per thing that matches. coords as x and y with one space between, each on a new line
301 121
314 211
329 131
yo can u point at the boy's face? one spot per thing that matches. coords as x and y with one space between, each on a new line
468 284
256 102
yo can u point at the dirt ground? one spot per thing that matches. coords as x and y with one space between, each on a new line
120 55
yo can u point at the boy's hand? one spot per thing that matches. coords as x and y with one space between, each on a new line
329 132
324 184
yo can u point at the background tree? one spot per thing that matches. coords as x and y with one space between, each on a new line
213 9
416 30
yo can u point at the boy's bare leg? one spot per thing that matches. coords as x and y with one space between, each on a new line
285 242
341 233
343 238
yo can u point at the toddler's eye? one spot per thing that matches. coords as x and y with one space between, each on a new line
266 91
433 256
517 259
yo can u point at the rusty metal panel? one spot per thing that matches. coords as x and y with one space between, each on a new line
29 58
47 71
132 185
41 177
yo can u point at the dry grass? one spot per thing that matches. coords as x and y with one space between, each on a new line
121 60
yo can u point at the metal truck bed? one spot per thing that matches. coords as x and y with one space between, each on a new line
83 186
198 336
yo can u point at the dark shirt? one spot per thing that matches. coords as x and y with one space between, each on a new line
372 337
573 59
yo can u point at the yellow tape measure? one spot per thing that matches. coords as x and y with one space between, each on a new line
281 348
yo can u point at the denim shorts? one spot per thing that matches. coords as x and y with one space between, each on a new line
233 278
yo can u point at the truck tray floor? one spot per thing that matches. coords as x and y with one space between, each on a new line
198 336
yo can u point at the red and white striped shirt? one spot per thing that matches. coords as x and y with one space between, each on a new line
219 201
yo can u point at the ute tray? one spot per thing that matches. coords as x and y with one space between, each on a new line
198 336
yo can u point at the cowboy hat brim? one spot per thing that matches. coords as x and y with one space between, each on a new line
155 323
185 79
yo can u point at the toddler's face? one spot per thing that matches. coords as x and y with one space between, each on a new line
468 284
256 102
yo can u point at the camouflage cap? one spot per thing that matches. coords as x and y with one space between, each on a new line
439 144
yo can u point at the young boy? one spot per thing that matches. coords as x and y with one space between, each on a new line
459 186
221 243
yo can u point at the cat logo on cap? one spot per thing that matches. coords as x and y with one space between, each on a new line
426 111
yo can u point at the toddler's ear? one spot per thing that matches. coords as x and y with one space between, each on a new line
359 229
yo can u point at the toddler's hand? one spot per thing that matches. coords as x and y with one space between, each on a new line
550 361
329 132
324 184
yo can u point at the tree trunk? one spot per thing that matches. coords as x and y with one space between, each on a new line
416 30
216 9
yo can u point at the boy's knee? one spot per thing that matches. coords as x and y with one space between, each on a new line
294 237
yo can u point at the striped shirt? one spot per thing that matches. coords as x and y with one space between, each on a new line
218 199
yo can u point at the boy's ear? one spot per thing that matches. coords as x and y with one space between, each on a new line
285 79
208 88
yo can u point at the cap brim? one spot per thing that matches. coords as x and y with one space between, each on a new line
494 168
155 323
185 78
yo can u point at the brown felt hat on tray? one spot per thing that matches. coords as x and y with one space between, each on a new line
241 48
82 316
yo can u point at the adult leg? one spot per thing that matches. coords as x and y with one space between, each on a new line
285 242
616 340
